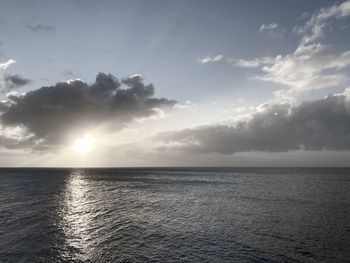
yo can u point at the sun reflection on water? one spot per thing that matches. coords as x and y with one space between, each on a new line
77 215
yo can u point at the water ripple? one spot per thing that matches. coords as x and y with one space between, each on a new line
174 215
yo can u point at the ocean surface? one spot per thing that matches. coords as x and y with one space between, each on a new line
175 215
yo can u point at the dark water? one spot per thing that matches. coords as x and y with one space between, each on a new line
175 215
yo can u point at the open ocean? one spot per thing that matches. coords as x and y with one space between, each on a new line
175 215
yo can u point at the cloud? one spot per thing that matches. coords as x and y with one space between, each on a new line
273 30
52 114
6 64
41 28
315 125
11 143
210 59
316 26
254 63
15 81
312 65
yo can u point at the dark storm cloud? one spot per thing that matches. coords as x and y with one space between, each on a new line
51 113
314 125
41 28
15 81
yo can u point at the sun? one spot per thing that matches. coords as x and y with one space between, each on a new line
82 145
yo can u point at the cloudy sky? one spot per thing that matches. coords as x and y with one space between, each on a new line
174 83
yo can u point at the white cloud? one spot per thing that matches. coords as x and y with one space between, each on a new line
6 64
254 63
315 28
273 30
185 105
312 65
270 26
211 59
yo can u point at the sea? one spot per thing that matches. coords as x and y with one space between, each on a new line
175 215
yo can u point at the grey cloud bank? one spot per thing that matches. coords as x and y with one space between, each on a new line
315 125
51 113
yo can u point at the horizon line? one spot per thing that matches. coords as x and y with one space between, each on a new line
158 167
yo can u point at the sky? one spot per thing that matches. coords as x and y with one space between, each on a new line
174 83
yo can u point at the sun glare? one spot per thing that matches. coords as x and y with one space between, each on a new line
82 146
